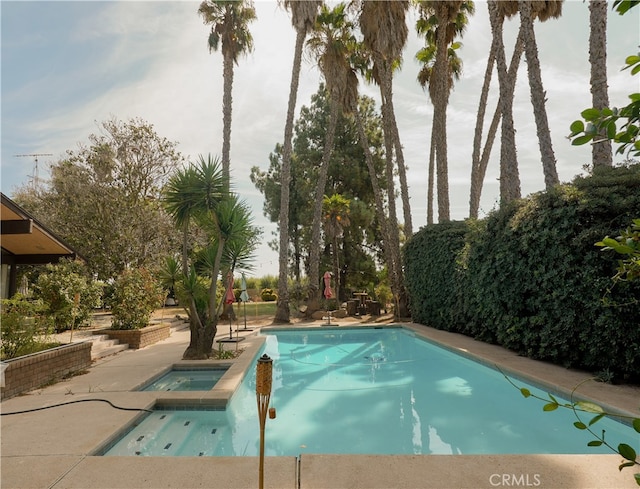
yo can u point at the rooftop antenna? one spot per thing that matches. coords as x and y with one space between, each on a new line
34 177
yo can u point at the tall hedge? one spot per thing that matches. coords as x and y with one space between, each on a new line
434 280
530 278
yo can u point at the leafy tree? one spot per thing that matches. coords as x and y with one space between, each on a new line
25 325
362 241
269 183
68 292
136 295
103 199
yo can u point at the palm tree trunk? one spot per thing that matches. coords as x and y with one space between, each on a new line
601 154
402 172
282 310
377 194
227 76
509 176
476 180
440 119
336 268
479 166
432 155
193 351
396 275
314 255
538 96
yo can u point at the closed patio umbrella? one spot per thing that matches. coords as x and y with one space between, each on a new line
328 293
230 298
244 297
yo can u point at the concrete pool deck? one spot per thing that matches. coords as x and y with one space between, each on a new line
53 448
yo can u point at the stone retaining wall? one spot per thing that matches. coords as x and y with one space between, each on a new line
139 338
38 369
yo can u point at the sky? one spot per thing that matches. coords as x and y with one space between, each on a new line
66 67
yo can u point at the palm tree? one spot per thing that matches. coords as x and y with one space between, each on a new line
529 10
385 31
480 159
428 25
601 154
303 17
336 218
229 20
448 19
200 195
509 176
191 196
180 201
329 44
233 239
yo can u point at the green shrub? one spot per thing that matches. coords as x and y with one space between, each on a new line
268 295
68 292
25 327
269 282
252 282
383 295
136 295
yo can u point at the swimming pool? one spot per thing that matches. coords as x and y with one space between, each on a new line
370 391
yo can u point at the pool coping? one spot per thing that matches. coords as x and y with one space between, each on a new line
59 442
579 384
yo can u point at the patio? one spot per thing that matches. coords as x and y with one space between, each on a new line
53 448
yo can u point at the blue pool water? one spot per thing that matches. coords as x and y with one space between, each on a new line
371 391
202 379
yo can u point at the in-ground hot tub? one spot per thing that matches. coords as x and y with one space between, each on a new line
186 379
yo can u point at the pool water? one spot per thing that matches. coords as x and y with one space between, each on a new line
186 380
371 391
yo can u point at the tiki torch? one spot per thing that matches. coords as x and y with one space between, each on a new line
263 394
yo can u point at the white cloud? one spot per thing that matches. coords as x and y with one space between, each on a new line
150 60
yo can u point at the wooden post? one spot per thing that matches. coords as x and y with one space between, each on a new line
76 303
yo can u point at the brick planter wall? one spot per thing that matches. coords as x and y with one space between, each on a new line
38 369
139 338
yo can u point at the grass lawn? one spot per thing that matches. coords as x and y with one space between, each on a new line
255 309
